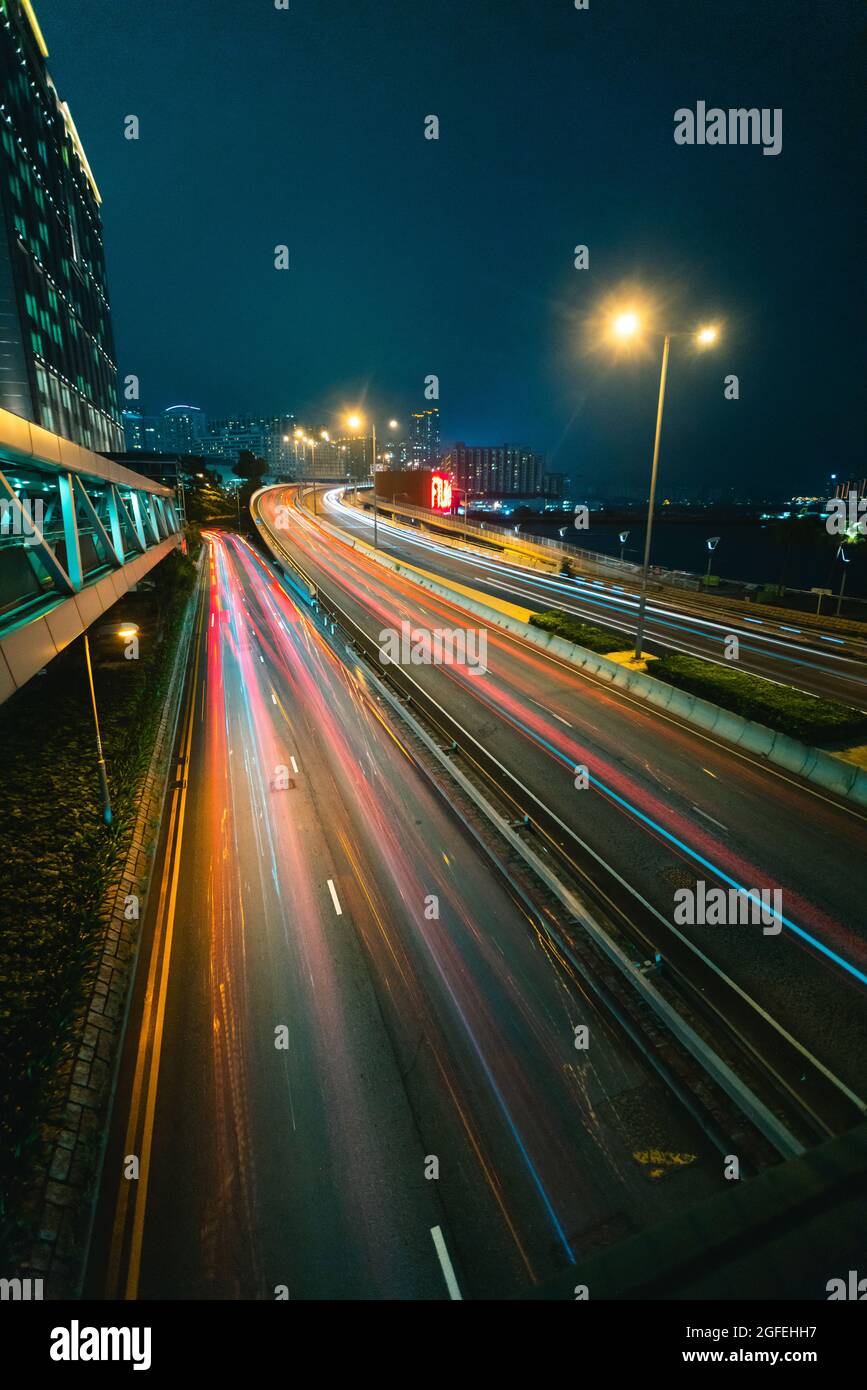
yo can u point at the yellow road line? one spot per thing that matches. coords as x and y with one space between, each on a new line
139 1200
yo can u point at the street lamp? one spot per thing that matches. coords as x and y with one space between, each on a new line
841 555
626 326
355 422
308 439
624 537
125 632
464 492
297 435
100 760
712 543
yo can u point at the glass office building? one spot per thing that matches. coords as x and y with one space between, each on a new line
57 362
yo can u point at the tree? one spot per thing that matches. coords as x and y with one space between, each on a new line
796 535
250 467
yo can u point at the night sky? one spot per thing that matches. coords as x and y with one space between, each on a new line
409 257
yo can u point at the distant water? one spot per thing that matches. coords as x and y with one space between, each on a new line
745 551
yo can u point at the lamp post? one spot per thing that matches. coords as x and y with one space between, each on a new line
313 442
355 422
627 326
712 543
464 492
100 760
297 436
624 537
841 555
373 480
125 632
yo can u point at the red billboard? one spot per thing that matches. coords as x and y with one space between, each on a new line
440 492
427 488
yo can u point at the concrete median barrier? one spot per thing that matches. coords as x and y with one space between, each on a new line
823 769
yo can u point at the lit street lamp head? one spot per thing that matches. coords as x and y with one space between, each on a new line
707 336
626 325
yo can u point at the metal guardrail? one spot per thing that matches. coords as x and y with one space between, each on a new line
68 516
589 561
737 592
76 531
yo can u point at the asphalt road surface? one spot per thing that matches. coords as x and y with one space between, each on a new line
350 1069
822 662
667 807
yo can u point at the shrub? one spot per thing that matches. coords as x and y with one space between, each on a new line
771 593
792 712
595 639
59 861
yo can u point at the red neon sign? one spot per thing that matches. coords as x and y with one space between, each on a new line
440 492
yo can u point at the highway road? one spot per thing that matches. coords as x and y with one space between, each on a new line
667 806
338 995
821 662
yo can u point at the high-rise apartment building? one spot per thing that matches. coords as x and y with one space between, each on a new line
180 429
354 456
496 470
270 437
57 362
142 431
424 438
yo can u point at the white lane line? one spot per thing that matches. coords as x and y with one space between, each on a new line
294 764
552 712
446 1265
334 898
711 818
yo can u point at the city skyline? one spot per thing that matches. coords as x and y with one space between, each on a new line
496 311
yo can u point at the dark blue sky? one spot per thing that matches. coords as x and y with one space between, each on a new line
408 257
